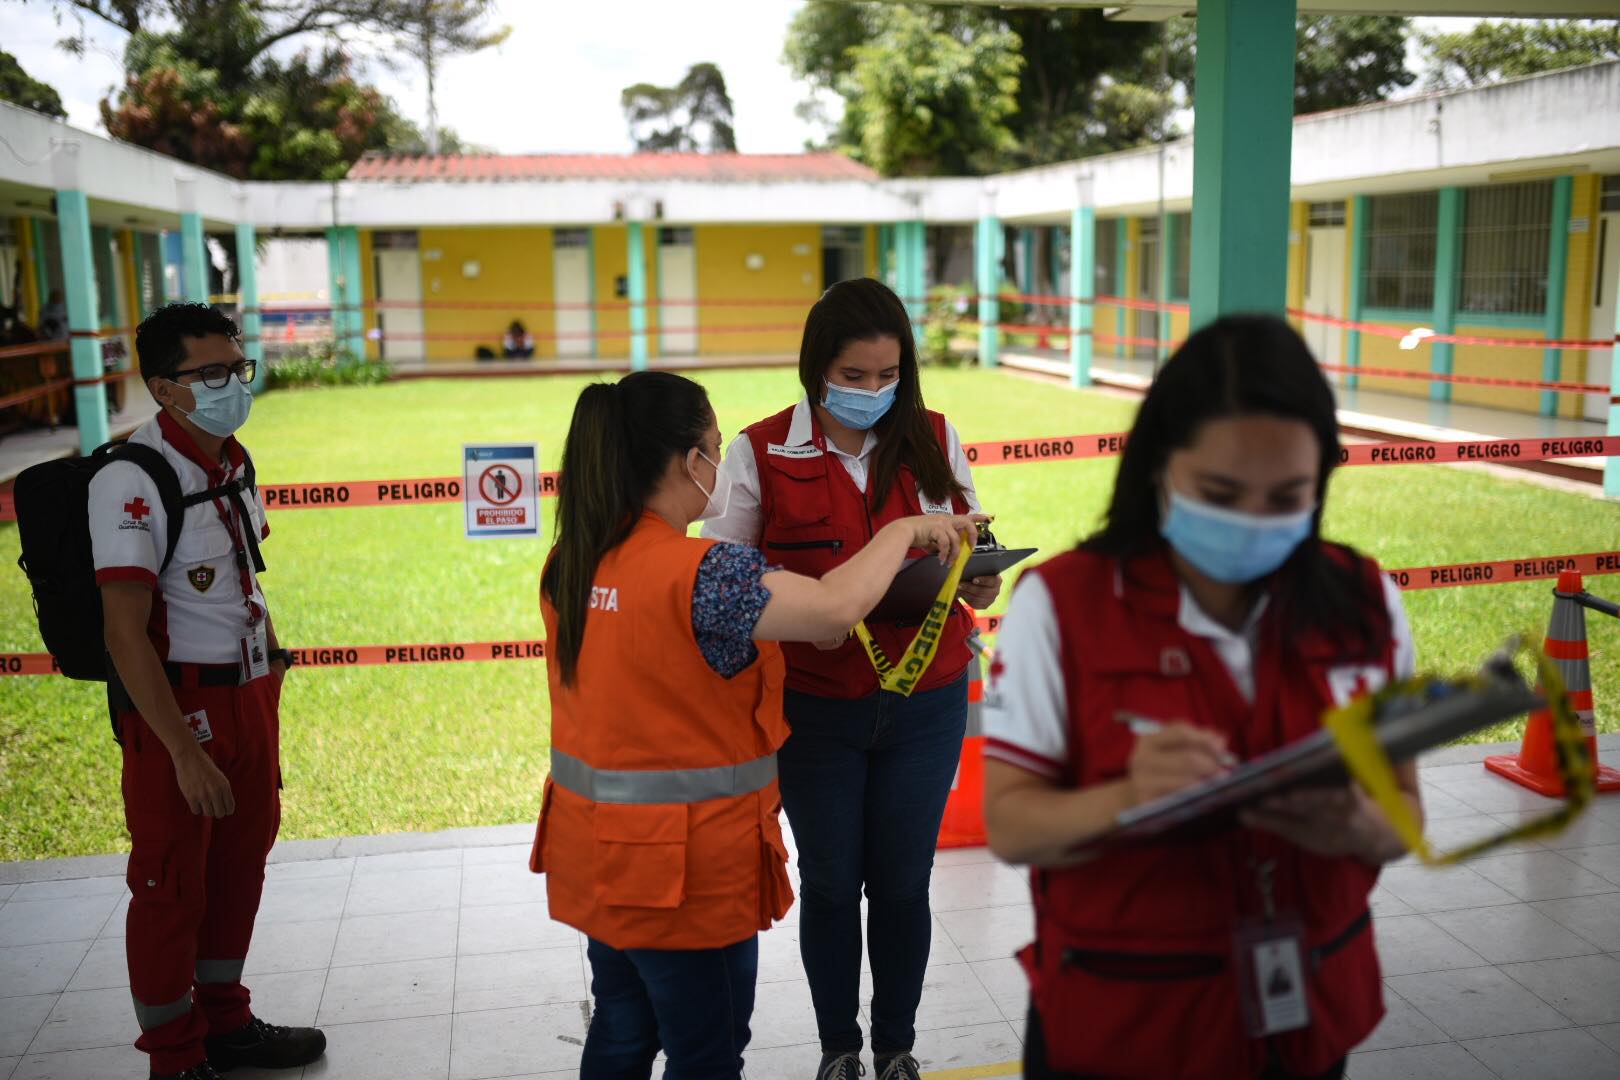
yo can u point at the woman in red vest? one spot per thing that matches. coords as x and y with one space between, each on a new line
658 831
866 772
1207 622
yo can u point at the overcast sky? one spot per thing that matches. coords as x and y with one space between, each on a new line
553 86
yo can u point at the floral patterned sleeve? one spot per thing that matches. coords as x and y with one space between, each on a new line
728 598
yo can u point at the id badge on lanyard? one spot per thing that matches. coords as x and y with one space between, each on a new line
253 648
1270 957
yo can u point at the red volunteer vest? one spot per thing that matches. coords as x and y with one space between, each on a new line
658 826
1132 967
815 519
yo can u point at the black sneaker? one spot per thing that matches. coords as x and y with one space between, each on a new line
265 1046
205 1071
901 1066
840 1067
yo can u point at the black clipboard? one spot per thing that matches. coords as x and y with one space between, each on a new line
1407 726
919 581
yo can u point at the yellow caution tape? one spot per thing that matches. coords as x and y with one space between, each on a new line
1354 729
903 679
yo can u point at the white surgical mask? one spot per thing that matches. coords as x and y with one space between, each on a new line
720 498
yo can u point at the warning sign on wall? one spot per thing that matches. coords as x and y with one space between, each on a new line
500 490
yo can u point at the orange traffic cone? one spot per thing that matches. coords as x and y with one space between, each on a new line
963 824
1536 764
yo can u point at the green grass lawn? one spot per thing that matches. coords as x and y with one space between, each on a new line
370 750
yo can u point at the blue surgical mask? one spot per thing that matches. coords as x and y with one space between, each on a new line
221 411
858 409
1231 546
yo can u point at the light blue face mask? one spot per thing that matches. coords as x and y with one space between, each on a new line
858 409
1231 546
221 411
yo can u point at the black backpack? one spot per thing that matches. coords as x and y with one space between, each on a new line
53 522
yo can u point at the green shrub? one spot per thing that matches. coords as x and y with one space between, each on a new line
324 363
941 325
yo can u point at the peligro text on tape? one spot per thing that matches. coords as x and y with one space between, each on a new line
441 653
1419 453
1505 570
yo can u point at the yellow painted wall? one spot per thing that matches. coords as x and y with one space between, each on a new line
1580 365
368 293
1298 227
23 229
1499 363
515 270
1179 323
871 251
1378 351
791 274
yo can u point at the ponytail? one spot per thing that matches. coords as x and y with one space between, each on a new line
619 444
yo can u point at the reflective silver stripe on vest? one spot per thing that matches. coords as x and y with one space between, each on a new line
151 1017
219 971
660 785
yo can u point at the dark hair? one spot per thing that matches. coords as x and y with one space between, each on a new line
863 309
160 339
619 443
1239 365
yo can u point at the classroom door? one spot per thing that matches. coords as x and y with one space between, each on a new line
1147 289
399 281
1324 294
677 293
571 267
1601 324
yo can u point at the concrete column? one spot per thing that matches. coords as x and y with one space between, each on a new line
343 269
79 281
918 288
1552 360
247 291
1242 134
1082 283
637 280
987 256
1447 250
193 244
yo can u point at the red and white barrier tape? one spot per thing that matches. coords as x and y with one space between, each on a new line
447 489
1421 577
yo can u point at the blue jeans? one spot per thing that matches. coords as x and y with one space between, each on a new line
694 1004
864 784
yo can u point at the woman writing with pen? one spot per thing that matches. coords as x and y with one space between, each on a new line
1207 622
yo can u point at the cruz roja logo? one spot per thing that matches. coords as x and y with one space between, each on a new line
201 578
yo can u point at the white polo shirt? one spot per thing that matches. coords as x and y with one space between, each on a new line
199 613
1026 715
744 522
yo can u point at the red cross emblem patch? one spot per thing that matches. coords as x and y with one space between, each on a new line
201 578
198 723
137 509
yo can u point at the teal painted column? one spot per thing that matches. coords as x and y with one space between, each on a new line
194 258
1026 262
1447 250
1360 208
637 253
84 320
885 256
1167 259
1552 360
919 277
1082 290
987 256
1122 247
902 263
247 294
1243 130
343 266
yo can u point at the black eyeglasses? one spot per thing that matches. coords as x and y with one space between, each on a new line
215 376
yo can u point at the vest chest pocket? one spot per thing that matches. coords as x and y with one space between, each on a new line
799 493
640 854
1113 701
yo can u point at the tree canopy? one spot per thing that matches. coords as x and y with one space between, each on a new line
20 88
693 115
1490 51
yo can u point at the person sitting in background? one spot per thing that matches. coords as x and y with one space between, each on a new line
518 344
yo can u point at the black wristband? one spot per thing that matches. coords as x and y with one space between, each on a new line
284 655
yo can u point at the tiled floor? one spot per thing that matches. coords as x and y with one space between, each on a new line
433 958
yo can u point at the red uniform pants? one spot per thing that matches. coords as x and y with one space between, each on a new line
195 881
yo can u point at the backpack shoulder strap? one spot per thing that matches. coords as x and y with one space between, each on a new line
154 464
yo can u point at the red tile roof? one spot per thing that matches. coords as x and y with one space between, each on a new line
668 166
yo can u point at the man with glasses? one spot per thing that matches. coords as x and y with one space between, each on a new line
200 669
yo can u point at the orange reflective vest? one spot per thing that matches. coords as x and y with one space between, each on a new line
658 826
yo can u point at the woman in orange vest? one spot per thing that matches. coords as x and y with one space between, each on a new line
658 830
867 772
1207 622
